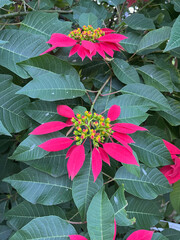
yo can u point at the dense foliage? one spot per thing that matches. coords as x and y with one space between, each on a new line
119 90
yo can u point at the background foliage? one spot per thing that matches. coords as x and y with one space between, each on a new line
37 199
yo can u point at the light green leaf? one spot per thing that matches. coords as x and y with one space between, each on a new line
49 227
156 77
5 2
131 43
21 46
65 81
150 149
149 185
100 217
11 106
158 236
171 234
124 72
119 203
3 42
54 164
139 22
45 24
154 38
156 99
23 213
146 212
112 2
84 188
174 41
38 187
172 116
88 19
176 5
5 232
3 130
175 196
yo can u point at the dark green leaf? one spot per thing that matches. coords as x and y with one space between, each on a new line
171 234
175 196
5 232
139 22
131 43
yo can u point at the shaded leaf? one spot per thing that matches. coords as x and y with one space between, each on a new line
131 43
139 22
175 196
5 232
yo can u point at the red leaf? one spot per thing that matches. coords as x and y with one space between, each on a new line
49 127
127 128
96 163
122 138
114 229
114 112
70 151
104 156
61 40
114 37
48 50
172 149
82 52
56 144
74 50
107 50
76 161
89 45
120 153
65 111
141 235
77 237
100 50
107 30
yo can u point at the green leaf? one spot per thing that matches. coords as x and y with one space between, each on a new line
84 188
175 196
23 213
176 5
54 164
42 111
156 99
146 212
45 24
5 2
49 227
156 77
119 203
158 236
154 38
149 185
3 130
12 106
133 108
5 232
100 217
88 19
150 149
38 187
174 41
131 43
171 234
172 116
65 81
21 46
112 2
3 42
139 22
124 72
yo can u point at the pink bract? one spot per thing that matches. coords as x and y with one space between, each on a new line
120 151
102 41
141 235
131 2
172 172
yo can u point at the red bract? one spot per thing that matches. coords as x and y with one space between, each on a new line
141 235
88 41
131 2
99 130
172 172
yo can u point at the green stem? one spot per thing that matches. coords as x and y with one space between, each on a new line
146 5
99 92
11 15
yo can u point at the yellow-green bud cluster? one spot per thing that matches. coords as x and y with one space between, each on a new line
86 33
93 126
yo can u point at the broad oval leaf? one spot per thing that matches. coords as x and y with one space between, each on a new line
5 232
124 72
156 77
149 185
84 188
175 196
157 100
23 213
20 46
150 150
146 212
3 130
139 22
38 187
171 234
49 227
131 43
88 19
100 217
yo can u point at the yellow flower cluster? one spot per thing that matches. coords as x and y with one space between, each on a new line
86 33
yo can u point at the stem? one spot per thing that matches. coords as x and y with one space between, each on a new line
99 92
109 181
146 5
11 15
76 222
107 94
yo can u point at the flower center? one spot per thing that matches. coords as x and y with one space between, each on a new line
86 33
93 126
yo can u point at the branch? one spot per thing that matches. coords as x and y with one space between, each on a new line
11 15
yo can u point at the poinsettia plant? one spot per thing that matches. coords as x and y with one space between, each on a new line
89 128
